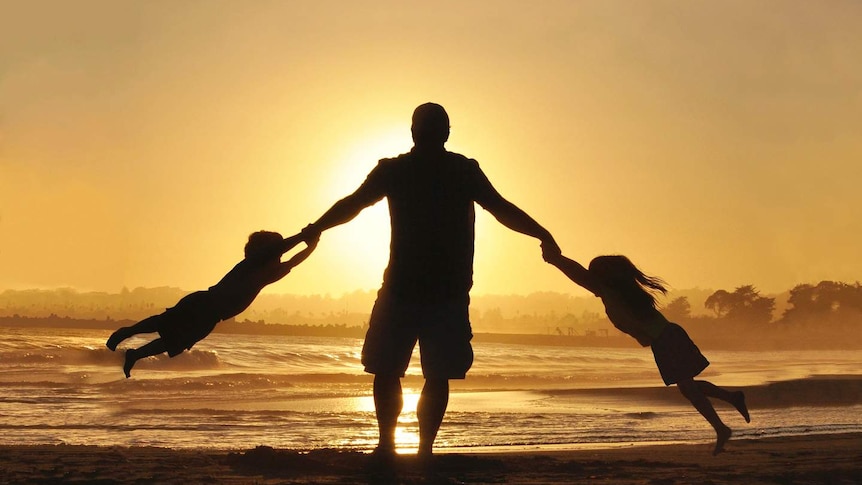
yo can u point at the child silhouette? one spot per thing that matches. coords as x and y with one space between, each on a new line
628 297
196 314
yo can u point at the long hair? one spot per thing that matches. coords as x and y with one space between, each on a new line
620 274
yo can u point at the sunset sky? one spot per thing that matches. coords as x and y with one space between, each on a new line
715 143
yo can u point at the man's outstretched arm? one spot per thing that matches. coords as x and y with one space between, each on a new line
517 220
342 211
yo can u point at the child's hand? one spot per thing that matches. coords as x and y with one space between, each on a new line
312 243
309 234
551 252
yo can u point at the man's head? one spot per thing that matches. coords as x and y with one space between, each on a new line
430 125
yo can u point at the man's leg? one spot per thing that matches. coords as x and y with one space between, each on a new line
430 411
387 404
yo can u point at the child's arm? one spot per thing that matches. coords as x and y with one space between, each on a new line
290 242
276 251
285 267
575 271
302 255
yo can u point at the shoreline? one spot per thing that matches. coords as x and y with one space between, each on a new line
826 458
755 339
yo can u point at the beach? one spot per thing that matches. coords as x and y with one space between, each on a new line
812 459
262 409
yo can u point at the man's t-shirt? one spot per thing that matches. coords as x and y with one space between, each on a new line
430 198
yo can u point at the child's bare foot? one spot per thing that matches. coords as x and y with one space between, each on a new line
115 339
722 436
739 403
130 362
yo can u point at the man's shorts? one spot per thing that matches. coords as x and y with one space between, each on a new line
676 356
442 330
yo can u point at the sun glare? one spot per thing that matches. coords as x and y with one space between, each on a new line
360 155
363 244
407 432
410 397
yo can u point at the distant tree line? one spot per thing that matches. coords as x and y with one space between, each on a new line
828 301
228 326
721 315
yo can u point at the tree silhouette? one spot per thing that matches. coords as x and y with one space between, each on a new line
744 304
829 299
678 309
719 302
850 297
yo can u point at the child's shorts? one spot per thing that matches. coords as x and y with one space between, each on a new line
676 356
187 323
442 330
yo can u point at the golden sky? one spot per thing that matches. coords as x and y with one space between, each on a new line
715 143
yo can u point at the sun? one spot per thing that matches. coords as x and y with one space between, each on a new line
361 246
359 155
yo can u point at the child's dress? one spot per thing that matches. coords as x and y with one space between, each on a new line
676 355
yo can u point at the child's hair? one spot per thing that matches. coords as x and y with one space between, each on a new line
619 273
263 243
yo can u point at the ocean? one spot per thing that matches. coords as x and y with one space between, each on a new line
241 391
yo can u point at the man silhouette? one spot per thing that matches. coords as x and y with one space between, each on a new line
426 286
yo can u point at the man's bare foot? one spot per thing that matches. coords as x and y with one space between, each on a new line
739 403
382 459
721 438
130 362
425 455
384 453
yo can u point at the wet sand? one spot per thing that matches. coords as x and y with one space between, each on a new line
818 459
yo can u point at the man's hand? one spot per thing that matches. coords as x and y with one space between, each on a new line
312 242
310 234
550 250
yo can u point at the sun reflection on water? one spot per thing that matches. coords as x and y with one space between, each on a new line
407 432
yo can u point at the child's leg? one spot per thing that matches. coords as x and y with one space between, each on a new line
698 399
737 398
155 347
147 325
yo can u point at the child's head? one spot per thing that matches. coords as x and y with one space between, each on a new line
263 242
619 273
